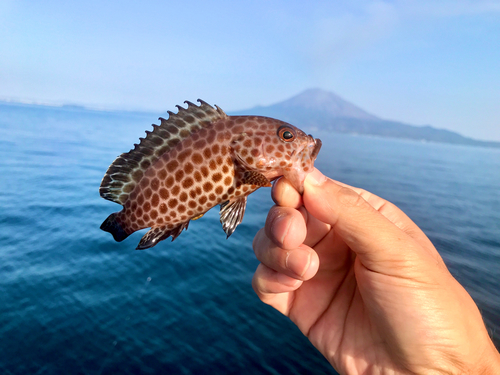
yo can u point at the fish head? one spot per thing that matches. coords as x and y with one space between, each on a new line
280 149
300 159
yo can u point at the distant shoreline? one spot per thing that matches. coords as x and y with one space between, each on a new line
309 117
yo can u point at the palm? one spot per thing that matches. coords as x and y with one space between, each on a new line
331 302
344 297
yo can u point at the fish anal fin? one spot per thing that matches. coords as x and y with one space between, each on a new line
231 214
256 178
155 235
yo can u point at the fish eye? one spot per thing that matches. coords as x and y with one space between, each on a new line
286 134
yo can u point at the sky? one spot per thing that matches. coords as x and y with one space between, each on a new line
423 62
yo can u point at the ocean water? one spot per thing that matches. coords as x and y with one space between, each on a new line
73 301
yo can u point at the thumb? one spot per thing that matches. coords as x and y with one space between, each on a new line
380 244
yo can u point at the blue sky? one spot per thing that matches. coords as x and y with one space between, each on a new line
420 62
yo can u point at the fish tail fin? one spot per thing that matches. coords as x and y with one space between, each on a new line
113 226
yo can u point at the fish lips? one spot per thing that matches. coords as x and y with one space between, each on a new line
317 147
296 176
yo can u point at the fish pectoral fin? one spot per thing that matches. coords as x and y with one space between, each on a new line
256 178
155 235
231 214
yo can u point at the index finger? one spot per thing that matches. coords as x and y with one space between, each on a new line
286 197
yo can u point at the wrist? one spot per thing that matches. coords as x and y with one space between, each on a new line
481 361
486 364
492 364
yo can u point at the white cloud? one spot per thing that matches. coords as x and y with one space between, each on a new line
373 23
446 8
338 35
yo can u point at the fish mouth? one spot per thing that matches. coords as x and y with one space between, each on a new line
297 175
317 147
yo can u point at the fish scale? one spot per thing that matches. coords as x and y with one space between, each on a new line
195 160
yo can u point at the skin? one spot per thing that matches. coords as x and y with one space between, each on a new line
365 284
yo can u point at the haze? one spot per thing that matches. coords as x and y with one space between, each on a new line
419 62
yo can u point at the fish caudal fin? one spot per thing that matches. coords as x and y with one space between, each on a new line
112 226
155 235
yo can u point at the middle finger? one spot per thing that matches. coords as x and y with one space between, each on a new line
300 262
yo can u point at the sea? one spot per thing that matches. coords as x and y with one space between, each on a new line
74 301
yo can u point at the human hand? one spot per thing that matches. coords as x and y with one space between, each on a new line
365 284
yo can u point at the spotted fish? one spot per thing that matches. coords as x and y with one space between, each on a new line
197 159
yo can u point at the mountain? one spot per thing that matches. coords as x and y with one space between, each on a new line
319 109
327 103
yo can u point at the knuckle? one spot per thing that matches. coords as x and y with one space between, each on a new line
257 239
349 198
257 288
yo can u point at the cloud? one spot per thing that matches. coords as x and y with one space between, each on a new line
411 8
338 35
341 34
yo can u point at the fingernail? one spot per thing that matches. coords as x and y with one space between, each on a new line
316 178
275 223
273 192
298 261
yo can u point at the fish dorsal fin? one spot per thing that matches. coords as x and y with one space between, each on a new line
127 170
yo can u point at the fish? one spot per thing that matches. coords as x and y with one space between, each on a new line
197 159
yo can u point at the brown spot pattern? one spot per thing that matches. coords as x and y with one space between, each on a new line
198 172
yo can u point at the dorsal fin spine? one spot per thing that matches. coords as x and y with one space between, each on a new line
121 176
